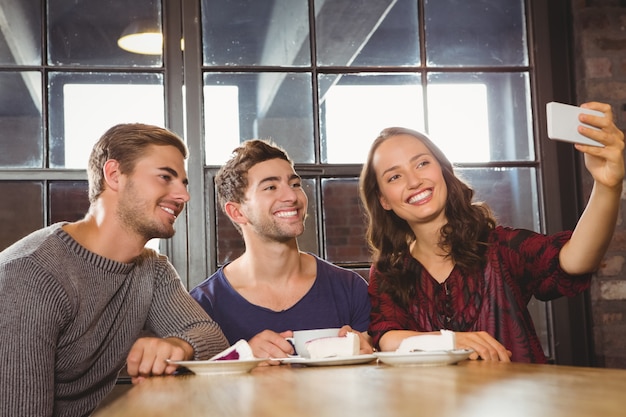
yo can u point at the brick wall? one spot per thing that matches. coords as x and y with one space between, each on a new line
600 72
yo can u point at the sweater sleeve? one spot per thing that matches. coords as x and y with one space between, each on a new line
34 309
174 313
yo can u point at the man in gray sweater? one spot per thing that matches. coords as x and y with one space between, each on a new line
75 298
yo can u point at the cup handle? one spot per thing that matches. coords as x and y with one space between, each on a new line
293 344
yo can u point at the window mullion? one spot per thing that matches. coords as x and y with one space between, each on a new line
196 249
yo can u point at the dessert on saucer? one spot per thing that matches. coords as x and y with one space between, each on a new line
237 358
328 347
425 350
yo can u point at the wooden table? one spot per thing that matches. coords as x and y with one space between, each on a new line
470 388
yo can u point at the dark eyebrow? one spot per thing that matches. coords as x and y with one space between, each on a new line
273 179
418 156
382 174
174 174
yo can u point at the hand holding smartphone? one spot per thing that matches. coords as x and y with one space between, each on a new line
563 123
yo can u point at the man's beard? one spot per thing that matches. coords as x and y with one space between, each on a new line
272 231
133 212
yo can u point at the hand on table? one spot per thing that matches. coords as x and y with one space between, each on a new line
269 344
148 355
484 345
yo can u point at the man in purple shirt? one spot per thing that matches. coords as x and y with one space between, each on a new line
274 288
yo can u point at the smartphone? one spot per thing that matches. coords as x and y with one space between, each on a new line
563 123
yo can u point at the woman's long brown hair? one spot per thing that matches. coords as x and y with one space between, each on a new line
463 237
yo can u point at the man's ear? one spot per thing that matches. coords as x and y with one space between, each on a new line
111 171
234 213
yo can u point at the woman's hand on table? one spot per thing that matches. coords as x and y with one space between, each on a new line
484 346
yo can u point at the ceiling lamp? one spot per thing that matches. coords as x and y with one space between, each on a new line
142 37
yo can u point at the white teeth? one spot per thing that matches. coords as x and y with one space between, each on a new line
168 210
287 213
420 196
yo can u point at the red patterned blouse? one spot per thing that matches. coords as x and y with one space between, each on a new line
520 264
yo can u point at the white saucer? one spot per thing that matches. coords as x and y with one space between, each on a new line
425 358
336 360
239 366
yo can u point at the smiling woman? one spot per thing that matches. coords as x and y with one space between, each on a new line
441 261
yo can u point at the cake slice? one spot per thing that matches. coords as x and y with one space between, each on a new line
327 347
241 350
428 342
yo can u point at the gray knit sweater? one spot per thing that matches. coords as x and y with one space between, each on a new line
69 318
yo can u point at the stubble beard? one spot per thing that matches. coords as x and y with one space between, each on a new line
130 213
271 231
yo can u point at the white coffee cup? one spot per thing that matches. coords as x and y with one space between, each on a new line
300 337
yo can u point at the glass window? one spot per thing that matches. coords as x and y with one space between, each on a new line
473 117
481 117
354 108
256 32
475 33
263 105
510 192
84 105
69 200
229 241
18 220
87 32
360 32
309 240
20 26
21 137
344 222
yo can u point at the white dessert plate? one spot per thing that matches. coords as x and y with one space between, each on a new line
336 360
238 366
424 358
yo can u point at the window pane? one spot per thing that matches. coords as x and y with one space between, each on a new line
475 33
84 105
21 140
69 200
18 220
308 241
481 117
366 32
275 106
87 32
510 192
20 27
230 243
344 223
355 108
256 32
